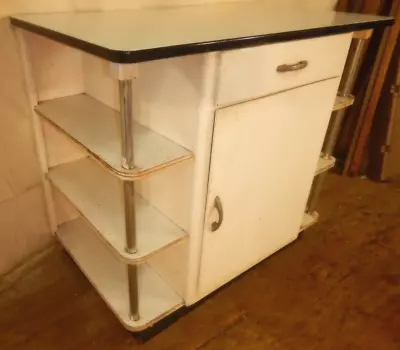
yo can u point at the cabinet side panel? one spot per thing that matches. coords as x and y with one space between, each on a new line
168 92
56 68
170 192
59 147
170 95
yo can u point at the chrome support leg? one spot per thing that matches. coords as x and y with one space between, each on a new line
125 92
133 293
346 87
130 216
126 111
332 134
335 124
315 192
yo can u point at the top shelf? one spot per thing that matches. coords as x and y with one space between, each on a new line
131 36
95 126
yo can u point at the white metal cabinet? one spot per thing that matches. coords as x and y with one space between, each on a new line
263 161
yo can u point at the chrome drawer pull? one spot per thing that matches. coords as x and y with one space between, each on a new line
292 67
218 205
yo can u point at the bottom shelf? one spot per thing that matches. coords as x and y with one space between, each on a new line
109 276
309 219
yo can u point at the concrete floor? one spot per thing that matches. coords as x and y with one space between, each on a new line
337 287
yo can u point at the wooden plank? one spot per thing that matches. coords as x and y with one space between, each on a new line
382 143
350 122
363 34
361 6
109 277
388 42
95 126
98 196
391 164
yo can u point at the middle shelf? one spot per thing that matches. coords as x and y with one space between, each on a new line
95 126
98 196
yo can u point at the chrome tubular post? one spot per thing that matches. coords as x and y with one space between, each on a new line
133 293
126 111
346 87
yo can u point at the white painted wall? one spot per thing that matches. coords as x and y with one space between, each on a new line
23 226
28 6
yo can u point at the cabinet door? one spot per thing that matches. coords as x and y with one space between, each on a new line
264 156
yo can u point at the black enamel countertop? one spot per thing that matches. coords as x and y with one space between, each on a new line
144 35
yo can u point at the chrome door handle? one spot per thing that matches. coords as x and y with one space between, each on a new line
218 205
292 67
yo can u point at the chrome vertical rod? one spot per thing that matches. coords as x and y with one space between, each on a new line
130 216
126 111
346 87
315 193
133 290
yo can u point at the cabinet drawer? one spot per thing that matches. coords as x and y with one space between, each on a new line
252 72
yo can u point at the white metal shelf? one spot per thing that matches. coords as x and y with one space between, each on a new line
324 165
343 102
98 196
109 276
309 219
95 126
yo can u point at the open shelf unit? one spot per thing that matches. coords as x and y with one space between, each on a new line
324 163
95 126
109 276
124 228
98 196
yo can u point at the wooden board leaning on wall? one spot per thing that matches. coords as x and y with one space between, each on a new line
354 136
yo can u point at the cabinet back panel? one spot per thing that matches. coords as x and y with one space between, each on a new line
56 68
59 147
167 91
